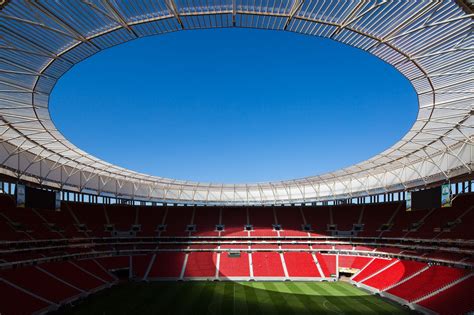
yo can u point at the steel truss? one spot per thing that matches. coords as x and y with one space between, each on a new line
430 42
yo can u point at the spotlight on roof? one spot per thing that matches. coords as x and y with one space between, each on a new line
3 3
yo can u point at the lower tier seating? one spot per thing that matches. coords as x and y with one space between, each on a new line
353 262
426 282
11 297
200 264
373 267
44 287
140 265
267 264
301 265
322 265
394 274
115 262
94 267
234 265
167 265
454 300
328 264
72 275
38 282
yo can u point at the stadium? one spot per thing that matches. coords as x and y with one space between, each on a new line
392 234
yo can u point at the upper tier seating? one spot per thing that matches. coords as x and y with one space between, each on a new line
7 231
81 220
63 221
318 218
346 216
234 219
93 216
30 222
463 229
149 218
177 219
206 219
262 220
438 220
403 221
291 221
374 216
121 216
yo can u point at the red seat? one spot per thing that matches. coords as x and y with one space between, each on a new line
16 302
376 265
454 300
426 282
201 264
40 283
394 274
301 265
232 266
167 265
267 264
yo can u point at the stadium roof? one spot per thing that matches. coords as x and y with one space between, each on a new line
430 42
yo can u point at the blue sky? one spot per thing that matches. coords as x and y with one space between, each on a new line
233 105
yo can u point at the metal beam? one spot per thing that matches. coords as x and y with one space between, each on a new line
293 11
174 10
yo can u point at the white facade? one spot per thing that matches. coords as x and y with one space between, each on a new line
430 42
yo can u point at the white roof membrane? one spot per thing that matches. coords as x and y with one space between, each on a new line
430 42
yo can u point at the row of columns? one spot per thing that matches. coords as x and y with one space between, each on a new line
456 188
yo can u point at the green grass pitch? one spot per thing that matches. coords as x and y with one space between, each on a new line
235 298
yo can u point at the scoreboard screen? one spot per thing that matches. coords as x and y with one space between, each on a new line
39 198
426 199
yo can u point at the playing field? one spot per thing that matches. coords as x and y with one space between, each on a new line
234 298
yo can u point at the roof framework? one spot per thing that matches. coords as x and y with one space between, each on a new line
430 42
